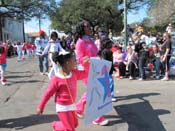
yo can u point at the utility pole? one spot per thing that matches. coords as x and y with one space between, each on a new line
39 15
125 23
1 28
39 21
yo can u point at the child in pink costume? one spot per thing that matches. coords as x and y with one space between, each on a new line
64 86
85 47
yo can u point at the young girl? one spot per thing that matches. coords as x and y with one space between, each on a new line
64 86
3 64
52 47
106 53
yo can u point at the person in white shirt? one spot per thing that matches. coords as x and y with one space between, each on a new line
170 29
18 45
53 46
40 43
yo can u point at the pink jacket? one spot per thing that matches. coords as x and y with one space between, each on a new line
59 87
85 47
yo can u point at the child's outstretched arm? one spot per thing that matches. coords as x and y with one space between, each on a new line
51 89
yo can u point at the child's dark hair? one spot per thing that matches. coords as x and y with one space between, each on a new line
54 34
2 49
106 43
62 58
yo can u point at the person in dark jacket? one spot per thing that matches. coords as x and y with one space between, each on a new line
106 53
143 55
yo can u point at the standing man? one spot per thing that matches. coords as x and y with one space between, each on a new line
40 43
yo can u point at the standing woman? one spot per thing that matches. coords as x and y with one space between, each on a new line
85 48
166 54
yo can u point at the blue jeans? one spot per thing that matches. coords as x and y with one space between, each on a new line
19 52
111 85
157 65
142 63
43 61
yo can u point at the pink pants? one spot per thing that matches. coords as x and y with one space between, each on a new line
81 106
68 121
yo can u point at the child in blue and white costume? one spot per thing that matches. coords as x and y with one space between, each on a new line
52 47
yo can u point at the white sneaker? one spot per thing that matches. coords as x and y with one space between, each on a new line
157 77
140 79
80 115
131 78
165 79
121 77
46 73
114 99
3 83
102 123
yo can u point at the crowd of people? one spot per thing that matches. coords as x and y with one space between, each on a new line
144 54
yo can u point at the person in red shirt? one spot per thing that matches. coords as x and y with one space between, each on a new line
3 61
64 86
28 47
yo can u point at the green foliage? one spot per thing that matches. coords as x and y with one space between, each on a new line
98 12
26 9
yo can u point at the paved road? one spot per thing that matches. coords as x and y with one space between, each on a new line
141 106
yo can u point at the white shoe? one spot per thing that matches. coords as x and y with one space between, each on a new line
114 99
121 77
165 79
157 77
131 78
102 123
140 79
46 73
3 83
80 115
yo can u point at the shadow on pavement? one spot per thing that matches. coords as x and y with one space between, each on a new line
17 72
139 116
18 76
137 96
24 122
22 81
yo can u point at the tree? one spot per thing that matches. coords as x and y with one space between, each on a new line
161 12
26 8
98 12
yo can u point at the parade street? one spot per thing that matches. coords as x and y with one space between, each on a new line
141 106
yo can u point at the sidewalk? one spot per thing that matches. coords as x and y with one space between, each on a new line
141 106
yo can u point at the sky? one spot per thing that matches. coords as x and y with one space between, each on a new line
33 26
137 16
